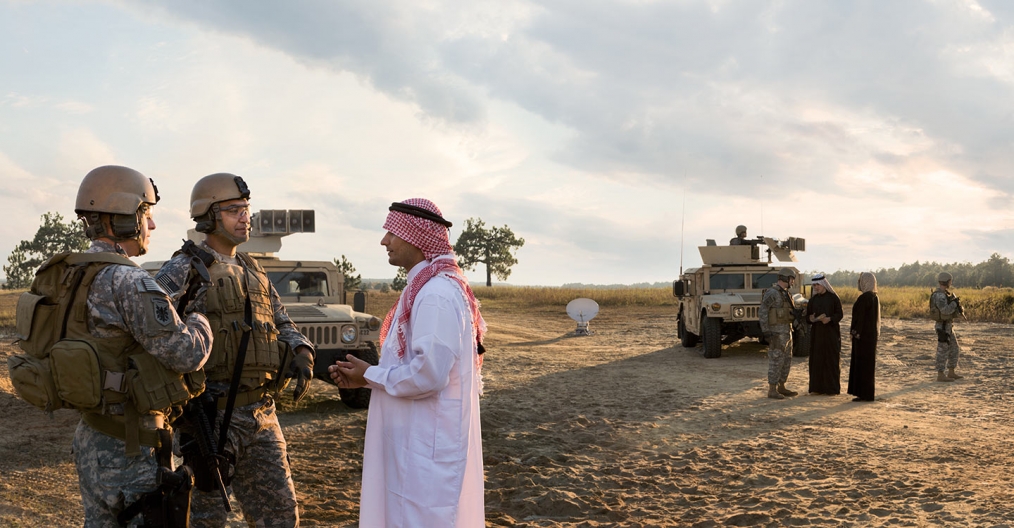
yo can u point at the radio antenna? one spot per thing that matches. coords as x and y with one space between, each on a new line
684 219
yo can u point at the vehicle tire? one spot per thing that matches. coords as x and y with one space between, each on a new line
801 341
687 340
712 334
360 398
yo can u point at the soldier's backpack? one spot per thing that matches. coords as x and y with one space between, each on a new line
65 367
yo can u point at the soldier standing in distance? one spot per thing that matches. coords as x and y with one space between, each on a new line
241 299
126 312
944 306
740 236
776 316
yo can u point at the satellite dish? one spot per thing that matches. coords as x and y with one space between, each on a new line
582 310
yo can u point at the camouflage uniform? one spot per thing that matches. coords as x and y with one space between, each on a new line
117 306
779 335
947 342
262 481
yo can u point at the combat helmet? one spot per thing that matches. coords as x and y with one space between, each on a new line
740 230
210 190
122 194
786 274
943 276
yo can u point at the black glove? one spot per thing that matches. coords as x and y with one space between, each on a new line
301 368
199 302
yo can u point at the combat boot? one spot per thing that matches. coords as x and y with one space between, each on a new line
943 377
782 390
952 375
773 392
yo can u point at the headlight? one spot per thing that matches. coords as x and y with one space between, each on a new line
738 312
374 324
349 334
716 307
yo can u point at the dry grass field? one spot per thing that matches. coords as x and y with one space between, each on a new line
626 428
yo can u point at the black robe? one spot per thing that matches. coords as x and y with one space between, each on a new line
825 344
866 323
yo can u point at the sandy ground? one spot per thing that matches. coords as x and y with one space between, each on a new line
625 428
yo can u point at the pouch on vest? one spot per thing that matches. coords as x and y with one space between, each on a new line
33 382
76 373
35 317
780 315
152 387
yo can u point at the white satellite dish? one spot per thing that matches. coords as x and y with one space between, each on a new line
582 310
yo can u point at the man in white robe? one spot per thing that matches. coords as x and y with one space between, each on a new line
422 463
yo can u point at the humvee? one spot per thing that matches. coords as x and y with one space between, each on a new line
314 296
719 301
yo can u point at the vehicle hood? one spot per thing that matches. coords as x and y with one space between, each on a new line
733 298
315 313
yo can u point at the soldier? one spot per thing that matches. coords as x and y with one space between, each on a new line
944 306
247 315
125 316
776 314
740 236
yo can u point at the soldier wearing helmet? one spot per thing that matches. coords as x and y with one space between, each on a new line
740 236
944 307
776 314
241 296
128 316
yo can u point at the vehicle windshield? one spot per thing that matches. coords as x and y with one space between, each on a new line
726 282
762 281
303 283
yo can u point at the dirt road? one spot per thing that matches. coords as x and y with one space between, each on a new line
624 428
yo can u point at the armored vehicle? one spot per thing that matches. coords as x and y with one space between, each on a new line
314 296
719 301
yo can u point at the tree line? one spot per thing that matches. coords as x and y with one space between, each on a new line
995 271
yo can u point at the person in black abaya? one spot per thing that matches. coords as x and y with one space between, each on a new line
865 331
825 338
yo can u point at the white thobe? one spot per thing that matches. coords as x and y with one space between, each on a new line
422 463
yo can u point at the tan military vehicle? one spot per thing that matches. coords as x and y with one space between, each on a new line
719 301
314 296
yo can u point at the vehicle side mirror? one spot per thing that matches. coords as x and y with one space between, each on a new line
359 301
678 288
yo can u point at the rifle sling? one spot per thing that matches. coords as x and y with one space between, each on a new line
237 372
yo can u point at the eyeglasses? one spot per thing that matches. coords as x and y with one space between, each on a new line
237 210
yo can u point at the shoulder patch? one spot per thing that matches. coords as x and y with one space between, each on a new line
148 285
160 309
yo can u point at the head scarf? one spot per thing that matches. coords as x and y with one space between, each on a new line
424 227
820 279
867 282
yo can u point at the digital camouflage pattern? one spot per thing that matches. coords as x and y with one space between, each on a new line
779 336
947 349
121 301
262 480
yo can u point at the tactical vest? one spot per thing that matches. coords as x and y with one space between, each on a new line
935 313
64 366
230 287
782 315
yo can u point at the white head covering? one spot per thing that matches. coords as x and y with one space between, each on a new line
820 279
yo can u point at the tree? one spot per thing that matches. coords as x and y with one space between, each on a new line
493 247
352 282
400 280
54 236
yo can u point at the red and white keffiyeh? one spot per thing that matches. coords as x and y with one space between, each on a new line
433 240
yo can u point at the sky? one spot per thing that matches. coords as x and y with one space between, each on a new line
613 136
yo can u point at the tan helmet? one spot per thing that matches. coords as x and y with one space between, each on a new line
786 273
115 190
740 230
216 188
943 276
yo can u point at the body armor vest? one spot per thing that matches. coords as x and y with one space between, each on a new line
935 311
231 286
782 315
65 366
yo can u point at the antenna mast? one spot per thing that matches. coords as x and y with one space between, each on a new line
683 220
